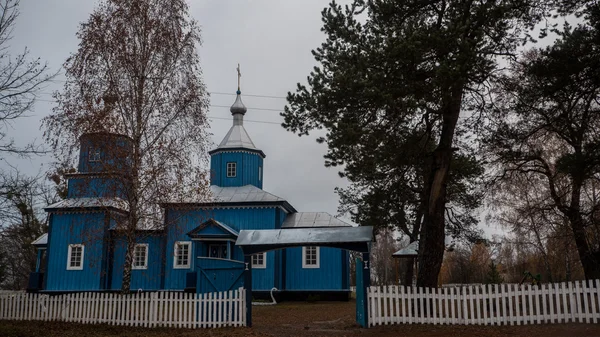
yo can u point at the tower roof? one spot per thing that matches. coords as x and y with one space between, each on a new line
237 138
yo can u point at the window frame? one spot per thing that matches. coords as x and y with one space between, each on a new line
317 264
70 256
262 265
93 154
260 173
145 266
232 164
189 255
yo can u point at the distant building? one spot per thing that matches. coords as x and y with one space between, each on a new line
195 249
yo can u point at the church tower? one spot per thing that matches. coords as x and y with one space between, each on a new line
237 161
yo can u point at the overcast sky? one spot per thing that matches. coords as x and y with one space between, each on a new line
272 40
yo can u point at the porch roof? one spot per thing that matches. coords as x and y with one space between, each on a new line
261 240
219 229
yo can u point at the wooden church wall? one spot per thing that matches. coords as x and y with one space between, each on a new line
247 169
144 279
327 277
75 228
183 221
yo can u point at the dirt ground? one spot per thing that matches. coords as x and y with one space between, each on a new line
330 319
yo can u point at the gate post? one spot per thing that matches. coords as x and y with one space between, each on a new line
363 281
248 288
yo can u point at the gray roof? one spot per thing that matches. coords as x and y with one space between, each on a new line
312 219
41 241
411 250
237 137
355 238
247 193
117 203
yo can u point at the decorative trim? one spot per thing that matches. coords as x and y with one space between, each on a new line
69 256
311 266
145 266
189 255
262 265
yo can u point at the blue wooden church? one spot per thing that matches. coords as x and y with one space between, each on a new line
195 249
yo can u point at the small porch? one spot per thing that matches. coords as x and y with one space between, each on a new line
216 267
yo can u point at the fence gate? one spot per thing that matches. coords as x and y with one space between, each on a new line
216 275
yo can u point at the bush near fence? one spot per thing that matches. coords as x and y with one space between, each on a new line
156 309
498 304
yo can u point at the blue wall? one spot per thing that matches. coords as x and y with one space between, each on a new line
247 164
114 152
76 228
145 279
95 187
327 277
180 222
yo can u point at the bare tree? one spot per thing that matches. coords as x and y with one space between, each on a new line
21 79
137 74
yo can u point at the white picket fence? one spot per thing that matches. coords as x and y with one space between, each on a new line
157 309
498 304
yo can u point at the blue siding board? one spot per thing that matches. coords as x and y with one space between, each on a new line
95 187
75 228
326 277
247 166
180 222
145 279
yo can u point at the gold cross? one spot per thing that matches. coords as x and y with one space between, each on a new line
239 75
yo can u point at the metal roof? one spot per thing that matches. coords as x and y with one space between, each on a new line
312 219
117 203
246 193
195 231
260 240
41 241
411 250
237 138
243 196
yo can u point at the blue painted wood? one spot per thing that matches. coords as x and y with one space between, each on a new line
218 275
95 187
180 222
361 300
75 228
248 288
114 153
327 277
249 167
144 279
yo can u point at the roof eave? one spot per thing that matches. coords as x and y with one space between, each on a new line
232 149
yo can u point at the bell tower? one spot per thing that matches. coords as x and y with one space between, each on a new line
237 161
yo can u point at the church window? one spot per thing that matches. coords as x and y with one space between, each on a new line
259 260
75 257
259 173
231 173
140 256
183 251
310 257
94 154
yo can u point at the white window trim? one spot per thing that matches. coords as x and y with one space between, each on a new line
80 267
260 266
94 154
145 266
311 266
234 169
189 257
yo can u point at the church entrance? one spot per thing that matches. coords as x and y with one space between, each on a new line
357 239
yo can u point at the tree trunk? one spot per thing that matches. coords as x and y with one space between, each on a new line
590 264
432 241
